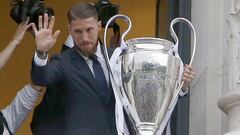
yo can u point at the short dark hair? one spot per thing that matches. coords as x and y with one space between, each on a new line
82 11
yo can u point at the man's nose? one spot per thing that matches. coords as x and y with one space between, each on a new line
84 37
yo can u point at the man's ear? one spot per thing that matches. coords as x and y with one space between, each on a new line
69 30
99 25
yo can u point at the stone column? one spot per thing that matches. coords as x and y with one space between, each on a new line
229 103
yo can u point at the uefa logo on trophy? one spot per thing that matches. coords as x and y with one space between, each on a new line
146 73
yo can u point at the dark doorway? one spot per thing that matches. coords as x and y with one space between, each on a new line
166 11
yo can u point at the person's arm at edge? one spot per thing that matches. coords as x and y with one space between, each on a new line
17 38
16 112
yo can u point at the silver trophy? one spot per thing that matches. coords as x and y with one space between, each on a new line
146 73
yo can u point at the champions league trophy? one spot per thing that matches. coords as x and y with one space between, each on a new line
146 73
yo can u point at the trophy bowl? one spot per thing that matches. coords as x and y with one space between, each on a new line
149 78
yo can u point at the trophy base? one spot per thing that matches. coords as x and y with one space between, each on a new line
146 129
145 133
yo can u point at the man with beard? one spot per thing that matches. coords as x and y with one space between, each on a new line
88 99
89 103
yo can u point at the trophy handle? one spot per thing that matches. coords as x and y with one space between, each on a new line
119 95
123 45
175 50
126 19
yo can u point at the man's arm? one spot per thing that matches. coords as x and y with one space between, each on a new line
23 103
46 74
45 40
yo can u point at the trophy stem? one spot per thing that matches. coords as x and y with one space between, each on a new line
146 129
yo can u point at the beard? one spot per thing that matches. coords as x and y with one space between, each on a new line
86 49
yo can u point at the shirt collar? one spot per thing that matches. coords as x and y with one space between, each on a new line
98 53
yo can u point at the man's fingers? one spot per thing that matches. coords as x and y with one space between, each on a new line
187 79
52 21
40 25
188 76
56 34
45 25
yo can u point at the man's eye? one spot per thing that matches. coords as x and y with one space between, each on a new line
77 31
89 30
